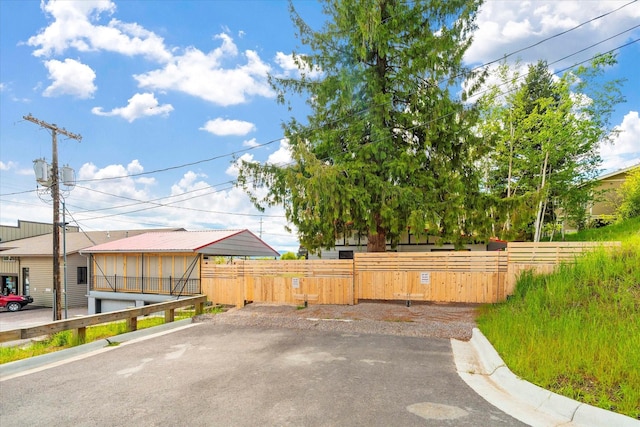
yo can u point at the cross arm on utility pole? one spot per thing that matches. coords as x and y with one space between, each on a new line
53 127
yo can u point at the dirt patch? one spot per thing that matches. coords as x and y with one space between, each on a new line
393 318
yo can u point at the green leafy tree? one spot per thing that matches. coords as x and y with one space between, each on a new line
387 147
629 192
288 256
546 137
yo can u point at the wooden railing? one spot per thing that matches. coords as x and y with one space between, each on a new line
146 285
79 325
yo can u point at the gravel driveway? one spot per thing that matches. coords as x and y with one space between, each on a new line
387 318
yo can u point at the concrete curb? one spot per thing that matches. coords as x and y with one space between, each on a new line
482 368
34 364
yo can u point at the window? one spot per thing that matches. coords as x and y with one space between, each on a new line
345 255
82 275
25 280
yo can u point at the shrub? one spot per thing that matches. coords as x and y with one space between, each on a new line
630 193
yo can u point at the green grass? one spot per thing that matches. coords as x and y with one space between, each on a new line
66 339
577 332
618 231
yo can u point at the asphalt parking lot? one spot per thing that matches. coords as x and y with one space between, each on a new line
31 315
209 374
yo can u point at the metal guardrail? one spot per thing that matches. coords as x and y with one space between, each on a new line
79 325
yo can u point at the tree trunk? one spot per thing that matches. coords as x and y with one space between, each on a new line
377 242
507 225
542 205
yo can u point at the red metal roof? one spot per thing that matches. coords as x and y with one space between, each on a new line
217 242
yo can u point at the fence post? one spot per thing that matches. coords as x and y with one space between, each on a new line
353 299
132 324
115 283
199 307
240 286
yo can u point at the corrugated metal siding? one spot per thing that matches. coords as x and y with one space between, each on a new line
40 280
239 245
27 229
23 230
76 292
10 267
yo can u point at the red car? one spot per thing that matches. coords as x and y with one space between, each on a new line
14 302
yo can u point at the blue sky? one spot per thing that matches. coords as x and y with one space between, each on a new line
166 92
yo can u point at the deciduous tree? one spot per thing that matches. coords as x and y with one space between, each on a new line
547 135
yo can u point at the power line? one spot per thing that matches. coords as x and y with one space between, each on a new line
546 39
169 205
279 139
484 65
234 153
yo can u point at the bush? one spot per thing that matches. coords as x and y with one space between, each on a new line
630 193
289 256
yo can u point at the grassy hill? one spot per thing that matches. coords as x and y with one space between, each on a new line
577 331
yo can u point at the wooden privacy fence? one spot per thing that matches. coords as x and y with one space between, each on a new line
466 277
322 282
473 277
543 257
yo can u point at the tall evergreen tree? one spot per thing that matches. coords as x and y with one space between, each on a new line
388 144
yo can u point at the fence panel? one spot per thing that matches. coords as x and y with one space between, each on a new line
220 283
475 277
543 257
284 282
468 277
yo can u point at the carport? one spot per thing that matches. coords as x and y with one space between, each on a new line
159 266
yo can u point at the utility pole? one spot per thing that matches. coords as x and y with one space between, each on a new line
55 195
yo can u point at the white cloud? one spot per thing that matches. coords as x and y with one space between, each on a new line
139 105
252 143
282 156
625 149
75 26
287 63
70 78
203 75
110 192
234 168
2 87
189 182
5 166
507 26
223 127
516 30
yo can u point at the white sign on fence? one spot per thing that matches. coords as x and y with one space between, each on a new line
295 282
425 278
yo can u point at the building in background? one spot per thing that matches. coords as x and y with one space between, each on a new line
28 229
26 265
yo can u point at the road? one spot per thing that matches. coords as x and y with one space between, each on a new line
32 315
222 375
